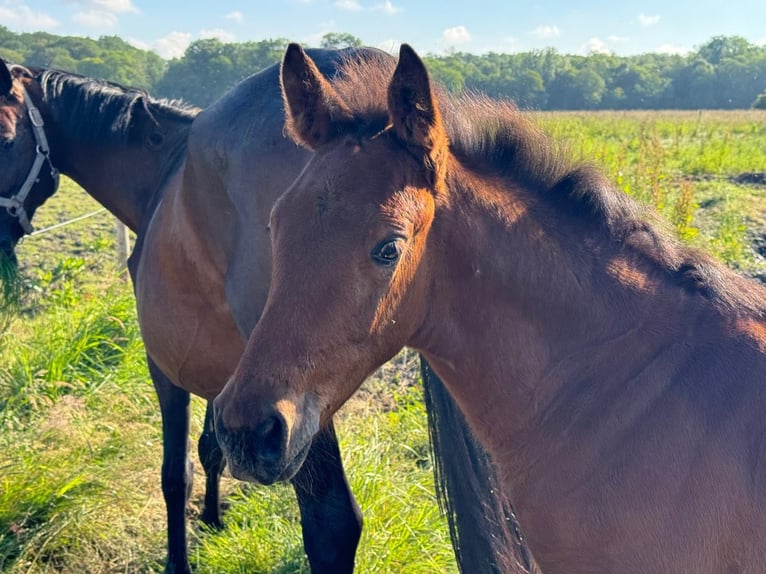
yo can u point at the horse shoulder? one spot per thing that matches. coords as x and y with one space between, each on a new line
185 319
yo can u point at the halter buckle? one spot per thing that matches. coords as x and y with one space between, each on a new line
35 117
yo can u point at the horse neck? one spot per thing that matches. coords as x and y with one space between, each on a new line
534 303
131 200
102 169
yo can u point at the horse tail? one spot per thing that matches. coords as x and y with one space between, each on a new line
485 534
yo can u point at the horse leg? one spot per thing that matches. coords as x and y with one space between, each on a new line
176 467
330 516
213 462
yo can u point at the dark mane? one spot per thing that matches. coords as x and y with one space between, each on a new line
494 135
95 110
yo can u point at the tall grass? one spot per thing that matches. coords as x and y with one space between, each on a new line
80 451
684 165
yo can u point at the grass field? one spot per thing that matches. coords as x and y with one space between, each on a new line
80 445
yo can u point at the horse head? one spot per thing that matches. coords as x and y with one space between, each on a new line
349 267
28 178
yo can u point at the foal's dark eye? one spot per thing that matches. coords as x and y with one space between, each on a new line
387 252
156 139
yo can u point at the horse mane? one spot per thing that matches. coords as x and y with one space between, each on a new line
96 110
495 135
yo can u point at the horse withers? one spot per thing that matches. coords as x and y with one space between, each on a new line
615 376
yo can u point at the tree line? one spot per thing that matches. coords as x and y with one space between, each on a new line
727 72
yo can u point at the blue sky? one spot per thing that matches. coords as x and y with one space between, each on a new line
430 27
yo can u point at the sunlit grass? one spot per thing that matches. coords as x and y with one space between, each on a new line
685 165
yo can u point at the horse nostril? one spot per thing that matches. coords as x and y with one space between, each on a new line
269 437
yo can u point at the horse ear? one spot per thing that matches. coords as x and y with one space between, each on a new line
415 116
312 106
6 81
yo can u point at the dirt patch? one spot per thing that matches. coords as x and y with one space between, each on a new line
755 178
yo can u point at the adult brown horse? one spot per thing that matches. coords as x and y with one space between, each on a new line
191 202
616 377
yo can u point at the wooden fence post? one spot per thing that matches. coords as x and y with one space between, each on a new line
123 248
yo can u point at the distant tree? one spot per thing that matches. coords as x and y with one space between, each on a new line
632 86
528 90
760 101
720 47
210 67
447 75
577 90
339 40
693 85
725 72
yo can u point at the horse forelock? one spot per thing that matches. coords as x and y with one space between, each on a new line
488 134
11 110
96 110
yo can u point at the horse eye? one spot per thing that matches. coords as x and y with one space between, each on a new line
155 139
387 252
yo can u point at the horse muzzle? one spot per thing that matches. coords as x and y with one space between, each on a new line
271 444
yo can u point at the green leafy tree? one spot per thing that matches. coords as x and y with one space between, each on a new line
725 72
577 90
447 75
720 47
528 89
339 40
210 67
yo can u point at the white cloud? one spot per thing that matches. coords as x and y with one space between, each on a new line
236 16
323 28
546 31
350 5
95 19
218 33
617 39
645 20
114 6
595 46
21 17
173 45
456 35
761 42
387 7
391 46
140 44
671 49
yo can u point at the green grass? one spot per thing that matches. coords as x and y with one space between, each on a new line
80 444
684 164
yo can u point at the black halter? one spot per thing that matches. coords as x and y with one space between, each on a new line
15 204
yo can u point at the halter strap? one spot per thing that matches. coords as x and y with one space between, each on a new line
15 204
